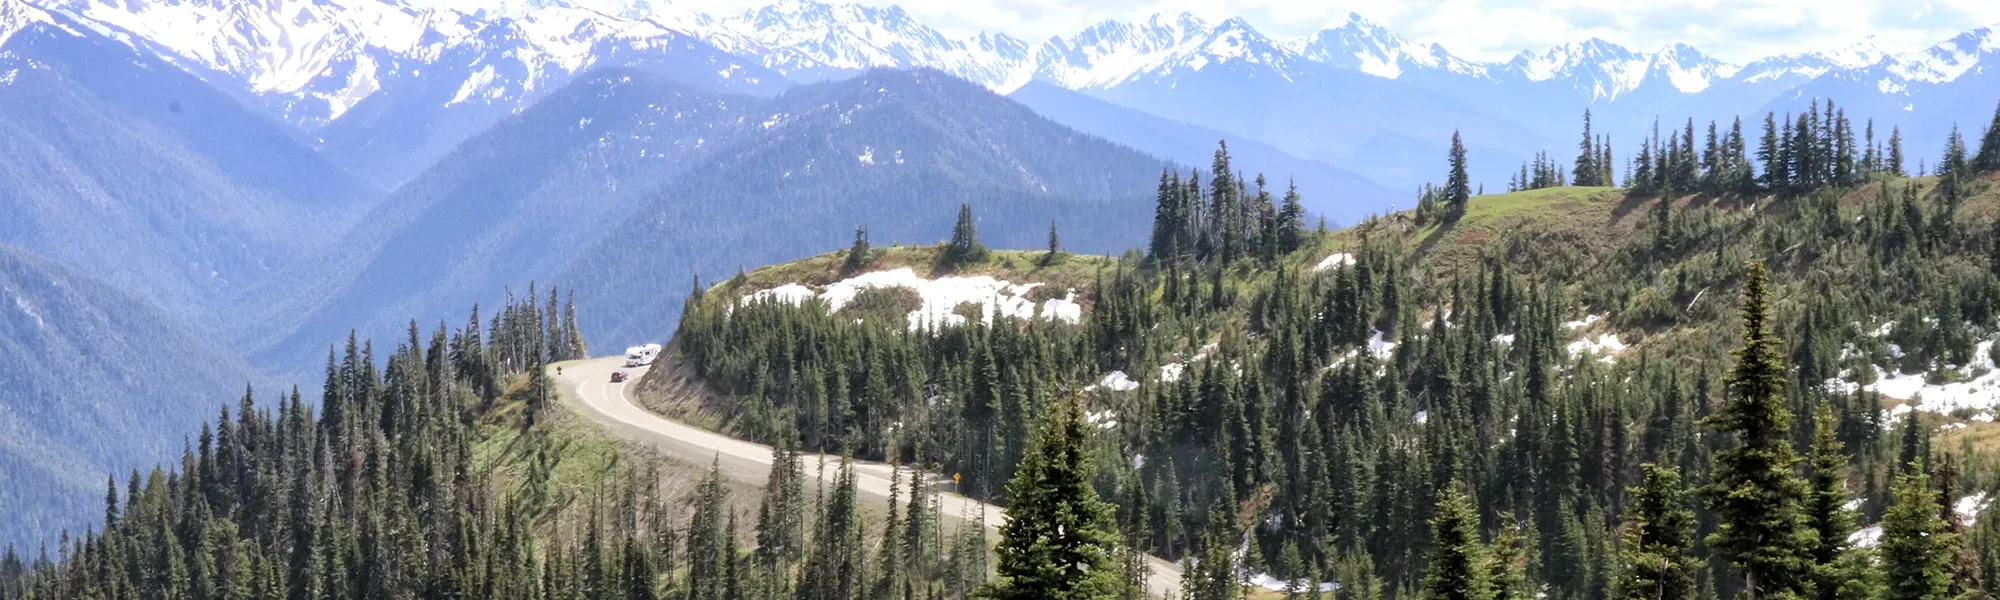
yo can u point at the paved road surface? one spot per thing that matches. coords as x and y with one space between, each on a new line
604 402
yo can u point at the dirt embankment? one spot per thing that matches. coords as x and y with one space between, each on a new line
672 389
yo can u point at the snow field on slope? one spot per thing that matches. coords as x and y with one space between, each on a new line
940 297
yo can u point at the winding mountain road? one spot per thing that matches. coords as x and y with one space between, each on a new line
593 395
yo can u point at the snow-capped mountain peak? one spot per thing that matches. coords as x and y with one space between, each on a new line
1807 65
1950 59
15 15
1688 69
1113 51
1363 45
1862 54
272 46
804 36
1603 69
1235 39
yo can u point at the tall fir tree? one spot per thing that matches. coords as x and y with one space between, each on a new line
1458 185
1839 573
1656 564
1291 221
1917 545
1059 539
859 254
1754 492
1586 171
964 247
1456 568
1895 164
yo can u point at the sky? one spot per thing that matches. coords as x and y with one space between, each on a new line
1736 31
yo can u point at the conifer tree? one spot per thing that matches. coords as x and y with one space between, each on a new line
780 522
1953 169
1754 492
1508 562
964 247
1767 154
638 571
1291 221
1838 573
1058 541
1656 564
1917 545
1586 171
1458 186
1896 152
1456 568
1168 220
706 559
833 565
1055 245
858 254
1988 159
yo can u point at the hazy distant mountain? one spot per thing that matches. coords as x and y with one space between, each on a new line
1338 194
97 382
128 170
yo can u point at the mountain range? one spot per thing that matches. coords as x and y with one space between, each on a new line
387 87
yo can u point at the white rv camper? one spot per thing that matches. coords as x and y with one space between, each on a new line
639 356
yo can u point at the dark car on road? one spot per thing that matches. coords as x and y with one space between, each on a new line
617 377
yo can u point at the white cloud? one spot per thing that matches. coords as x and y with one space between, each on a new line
1490 30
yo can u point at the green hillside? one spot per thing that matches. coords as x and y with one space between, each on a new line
1320 392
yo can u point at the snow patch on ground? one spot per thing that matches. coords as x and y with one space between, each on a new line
1586 321
1334 262
1606 347
1968 509
1266 581
1116 381
1171 372
1064 309
1866 537
1979 392
1379 347
941 297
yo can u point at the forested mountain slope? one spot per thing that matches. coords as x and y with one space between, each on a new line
514 203
895 152
123 167
97 381
625 182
